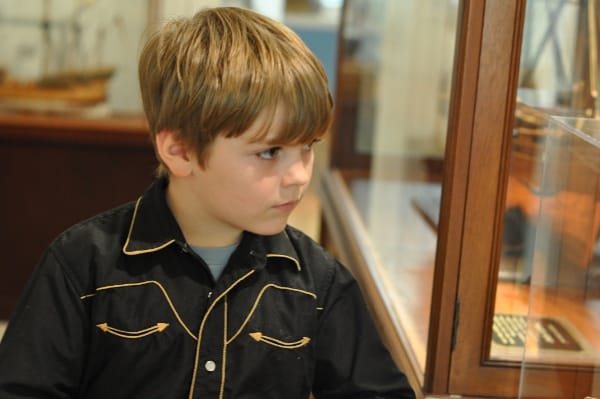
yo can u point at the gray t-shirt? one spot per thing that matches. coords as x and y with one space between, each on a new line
215 257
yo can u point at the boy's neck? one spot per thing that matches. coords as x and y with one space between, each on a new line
199 229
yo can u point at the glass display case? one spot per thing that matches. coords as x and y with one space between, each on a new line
447 158
545 306
398 172
561 327
418 137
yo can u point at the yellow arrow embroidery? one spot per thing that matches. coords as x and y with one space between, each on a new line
159 327
259 337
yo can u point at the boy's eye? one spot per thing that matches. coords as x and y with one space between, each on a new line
271 153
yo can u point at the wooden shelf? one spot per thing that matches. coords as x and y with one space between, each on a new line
129 129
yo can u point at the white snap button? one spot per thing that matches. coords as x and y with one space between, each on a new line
210 366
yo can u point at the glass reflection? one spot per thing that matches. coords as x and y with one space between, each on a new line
547 308
399 58
562 329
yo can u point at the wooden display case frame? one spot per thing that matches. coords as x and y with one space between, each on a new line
475 178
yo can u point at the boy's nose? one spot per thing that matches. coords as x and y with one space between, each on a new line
298 173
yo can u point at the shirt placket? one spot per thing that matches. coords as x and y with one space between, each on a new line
211 353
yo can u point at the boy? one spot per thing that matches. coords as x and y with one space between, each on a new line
199 289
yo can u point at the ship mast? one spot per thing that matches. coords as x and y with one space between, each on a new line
47 40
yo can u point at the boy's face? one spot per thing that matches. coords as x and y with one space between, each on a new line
248 185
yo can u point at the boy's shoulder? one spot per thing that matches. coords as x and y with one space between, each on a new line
101 230
307 248
83 250
329 276
316 259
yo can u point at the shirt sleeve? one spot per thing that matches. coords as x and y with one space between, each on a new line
41 354
352 361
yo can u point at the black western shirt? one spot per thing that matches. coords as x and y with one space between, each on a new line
121 307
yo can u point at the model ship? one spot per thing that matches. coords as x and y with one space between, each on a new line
76 87
66 88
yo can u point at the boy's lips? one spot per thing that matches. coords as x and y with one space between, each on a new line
287 205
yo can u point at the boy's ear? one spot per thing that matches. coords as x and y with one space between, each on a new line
174 153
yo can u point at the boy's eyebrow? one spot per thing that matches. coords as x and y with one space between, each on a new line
265 140
266 137
279 142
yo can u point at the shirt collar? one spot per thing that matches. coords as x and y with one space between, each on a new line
153 228
275 248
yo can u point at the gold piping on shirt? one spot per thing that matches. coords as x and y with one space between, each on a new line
141 251
157 328
162 289
260 337
208 311
257 300
224 354
298 267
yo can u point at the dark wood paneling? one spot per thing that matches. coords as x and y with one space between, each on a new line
56 172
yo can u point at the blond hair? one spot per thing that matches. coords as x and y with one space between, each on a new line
215 72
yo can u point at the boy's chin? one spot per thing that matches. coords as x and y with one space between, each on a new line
269 230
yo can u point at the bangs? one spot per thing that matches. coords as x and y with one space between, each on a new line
276 69
305 102
302 121
227 68
308 113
